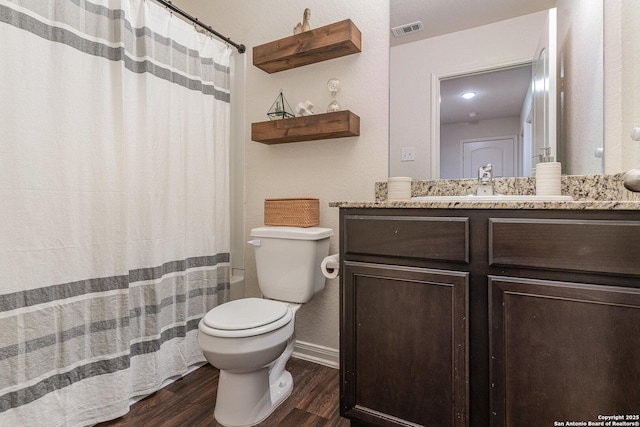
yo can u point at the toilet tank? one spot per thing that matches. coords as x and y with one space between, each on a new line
288 261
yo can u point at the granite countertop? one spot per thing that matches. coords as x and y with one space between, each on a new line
589 192
574 205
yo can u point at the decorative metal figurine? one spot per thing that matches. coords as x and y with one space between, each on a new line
280 109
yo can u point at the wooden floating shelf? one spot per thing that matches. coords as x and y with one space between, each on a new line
339 124
328 42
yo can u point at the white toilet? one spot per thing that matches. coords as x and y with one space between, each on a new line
251 339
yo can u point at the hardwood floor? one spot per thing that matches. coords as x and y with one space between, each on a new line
189 402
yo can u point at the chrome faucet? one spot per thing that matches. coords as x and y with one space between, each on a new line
485 181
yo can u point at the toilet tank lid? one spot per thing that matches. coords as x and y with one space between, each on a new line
298 233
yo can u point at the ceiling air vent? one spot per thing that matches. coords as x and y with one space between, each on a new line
403 30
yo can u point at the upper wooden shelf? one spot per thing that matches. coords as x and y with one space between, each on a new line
328 42
339 124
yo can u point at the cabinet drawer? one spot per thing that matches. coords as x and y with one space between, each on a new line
434 238
588 246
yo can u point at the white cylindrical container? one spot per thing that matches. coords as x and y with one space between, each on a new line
548 179
399 189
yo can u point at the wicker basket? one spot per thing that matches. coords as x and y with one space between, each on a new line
299 212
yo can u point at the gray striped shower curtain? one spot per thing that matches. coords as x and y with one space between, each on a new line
114 203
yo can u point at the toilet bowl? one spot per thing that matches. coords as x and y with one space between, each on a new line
251 383
250 340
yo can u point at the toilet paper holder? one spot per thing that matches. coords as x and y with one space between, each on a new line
330 266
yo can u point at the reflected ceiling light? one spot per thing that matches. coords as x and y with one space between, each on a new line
473 114
468 95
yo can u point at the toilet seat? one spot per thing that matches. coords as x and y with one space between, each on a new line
247 317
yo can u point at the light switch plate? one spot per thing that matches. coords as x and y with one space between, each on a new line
408 154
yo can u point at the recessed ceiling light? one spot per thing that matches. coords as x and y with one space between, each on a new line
468 95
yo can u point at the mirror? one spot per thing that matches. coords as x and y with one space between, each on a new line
419 68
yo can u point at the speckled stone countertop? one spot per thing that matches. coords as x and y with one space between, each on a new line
590 192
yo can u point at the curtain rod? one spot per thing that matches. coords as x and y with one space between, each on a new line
241 48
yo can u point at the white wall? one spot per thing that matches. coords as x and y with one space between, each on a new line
238 135
622 84
580 62
331 170
413 66
631 82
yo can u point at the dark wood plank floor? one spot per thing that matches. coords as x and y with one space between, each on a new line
190 401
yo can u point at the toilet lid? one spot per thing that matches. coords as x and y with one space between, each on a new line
245 313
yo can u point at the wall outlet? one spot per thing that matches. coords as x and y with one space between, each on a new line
408 154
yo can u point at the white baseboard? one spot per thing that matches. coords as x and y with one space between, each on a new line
317 353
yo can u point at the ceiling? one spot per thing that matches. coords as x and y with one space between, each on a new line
495 98
500 94
447 16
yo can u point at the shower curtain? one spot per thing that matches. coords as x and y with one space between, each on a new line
114 203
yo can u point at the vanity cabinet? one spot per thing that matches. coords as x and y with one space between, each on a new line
564 345
488 317
404 326
407 339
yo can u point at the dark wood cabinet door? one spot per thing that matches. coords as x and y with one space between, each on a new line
562 351
404 345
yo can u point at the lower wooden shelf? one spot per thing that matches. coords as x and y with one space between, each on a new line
339 124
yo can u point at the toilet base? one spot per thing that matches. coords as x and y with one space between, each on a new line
247 399
281 389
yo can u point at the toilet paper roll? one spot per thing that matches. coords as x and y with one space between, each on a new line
330 266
